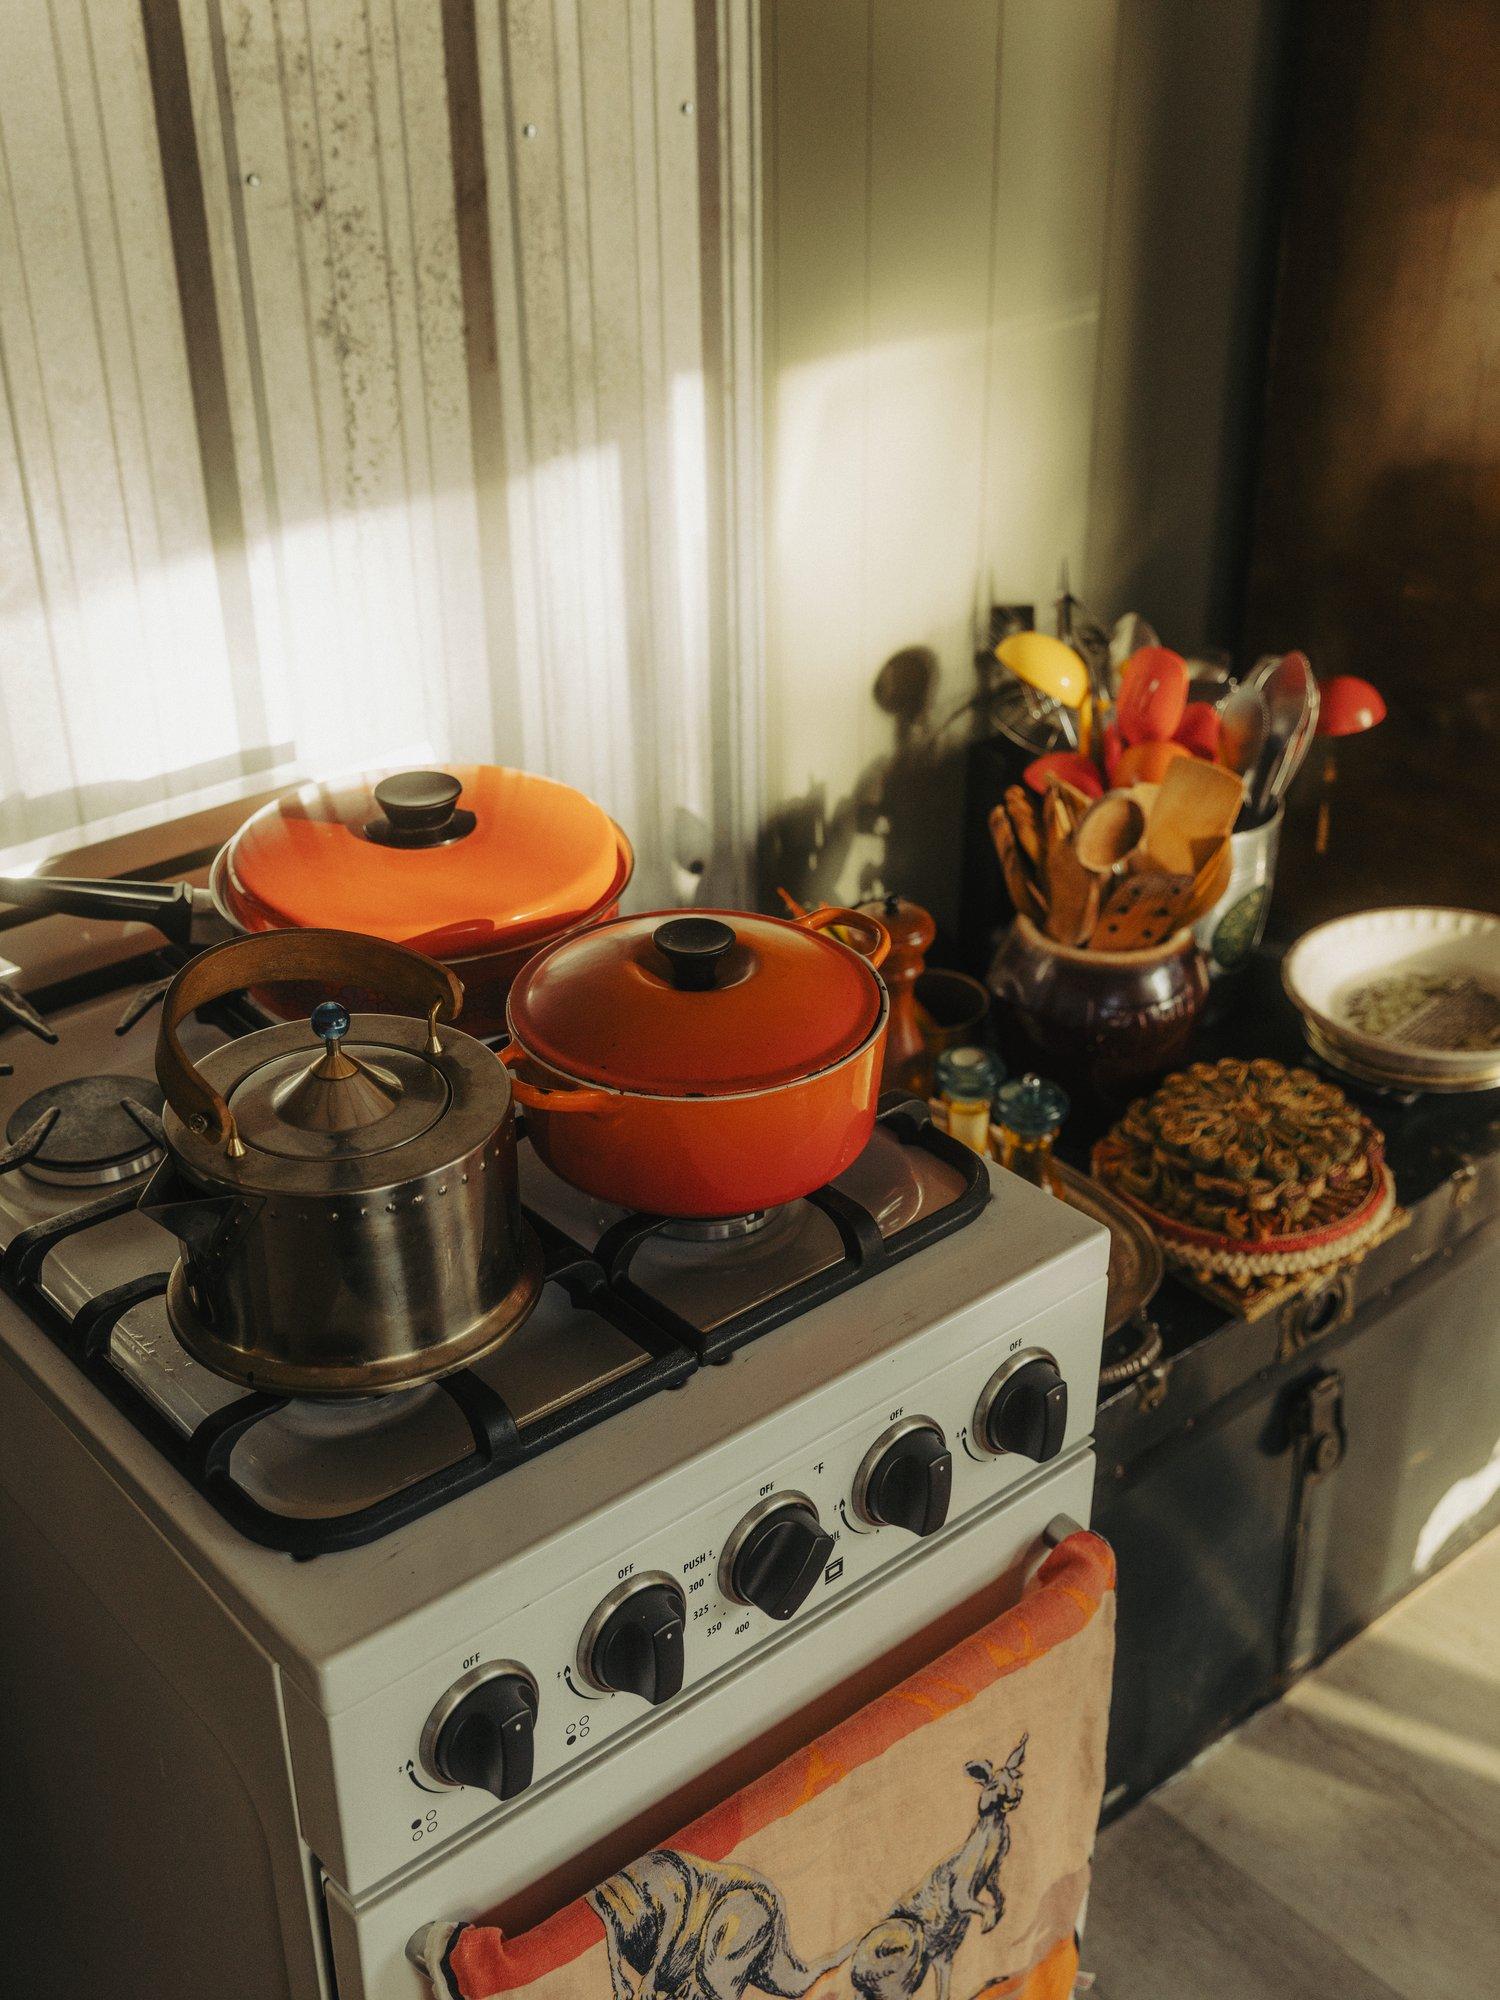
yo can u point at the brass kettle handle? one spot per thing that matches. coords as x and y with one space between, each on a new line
278 958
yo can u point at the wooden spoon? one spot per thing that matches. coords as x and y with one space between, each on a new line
1109 833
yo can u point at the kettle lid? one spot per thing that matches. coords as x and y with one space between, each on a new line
342 1104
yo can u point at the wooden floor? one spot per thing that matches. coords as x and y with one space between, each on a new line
1343 1845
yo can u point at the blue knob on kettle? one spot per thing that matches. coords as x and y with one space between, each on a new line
330 1021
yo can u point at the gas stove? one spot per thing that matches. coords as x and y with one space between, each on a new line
632 1303
779 1447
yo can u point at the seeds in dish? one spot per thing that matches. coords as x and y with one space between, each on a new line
1432 1010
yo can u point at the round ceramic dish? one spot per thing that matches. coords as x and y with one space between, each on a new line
1386 1076
1323 968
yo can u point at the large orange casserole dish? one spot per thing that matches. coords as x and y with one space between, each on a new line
477 867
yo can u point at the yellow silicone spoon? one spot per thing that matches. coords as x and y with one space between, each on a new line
1046 664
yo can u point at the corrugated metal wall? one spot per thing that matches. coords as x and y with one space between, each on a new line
359 401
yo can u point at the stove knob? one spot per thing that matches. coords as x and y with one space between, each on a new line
1024 1409
633 1642
906 1478
481 1732
776 1555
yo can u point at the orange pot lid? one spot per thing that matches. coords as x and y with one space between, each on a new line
694 1003
448 862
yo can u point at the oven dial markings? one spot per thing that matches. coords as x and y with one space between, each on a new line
722 1635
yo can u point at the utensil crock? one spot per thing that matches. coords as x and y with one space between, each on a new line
1229 932
1106 1023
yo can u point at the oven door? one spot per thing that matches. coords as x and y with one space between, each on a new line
574 1833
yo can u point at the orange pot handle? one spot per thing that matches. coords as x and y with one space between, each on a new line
535 1098
868 927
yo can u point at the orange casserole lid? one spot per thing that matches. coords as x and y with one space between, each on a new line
449 863
701 1003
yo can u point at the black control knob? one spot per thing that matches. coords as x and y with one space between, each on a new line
482 1732
775 1556
633 1642
1025 1410
906 1479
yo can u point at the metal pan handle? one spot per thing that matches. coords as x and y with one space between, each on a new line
275 958
168 907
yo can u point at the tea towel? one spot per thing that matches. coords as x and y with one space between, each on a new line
935 1843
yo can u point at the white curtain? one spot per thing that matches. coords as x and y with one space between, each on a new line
375 386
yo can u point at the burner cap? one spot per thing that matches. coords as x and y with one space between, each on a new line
721 1229
95 1139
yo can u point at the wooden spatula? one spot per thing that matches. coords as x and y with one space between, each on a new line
1072 894
1198 801
1210 882
1142 910
1018 882
1022 815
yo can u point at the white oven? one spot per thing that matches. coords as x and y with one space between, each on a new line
221 1760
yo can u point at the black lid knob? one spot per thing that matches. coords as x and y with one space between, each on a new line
909 1483
779 1559
1028 1413
637 1648
694 948
420 809
488 1738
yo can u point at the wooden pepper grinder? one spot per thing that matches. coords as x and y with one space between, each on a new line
907 1063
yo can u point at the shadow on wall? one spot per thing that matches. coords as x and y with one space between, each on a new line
898 827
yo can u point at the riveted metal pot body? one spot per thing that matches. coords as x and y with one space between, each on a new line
348 1276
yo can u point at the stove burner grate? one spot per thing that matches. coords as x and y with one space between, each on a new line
105 1129
597 1280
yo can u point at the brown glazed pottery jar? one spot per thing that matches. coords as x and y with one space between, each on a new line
1109 1023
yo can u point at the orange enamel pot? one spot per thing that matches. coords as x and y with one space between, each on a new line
478 867
705 1063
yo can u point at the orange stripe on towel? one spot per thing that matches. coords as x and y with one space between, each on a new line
1053 1978
1064 1596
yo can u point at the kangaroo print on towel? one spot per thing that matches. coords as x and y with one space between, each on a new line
926 1928
935 1846
681 1929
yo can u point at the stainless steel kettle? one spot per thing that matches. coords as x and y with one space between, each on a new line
345 1190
